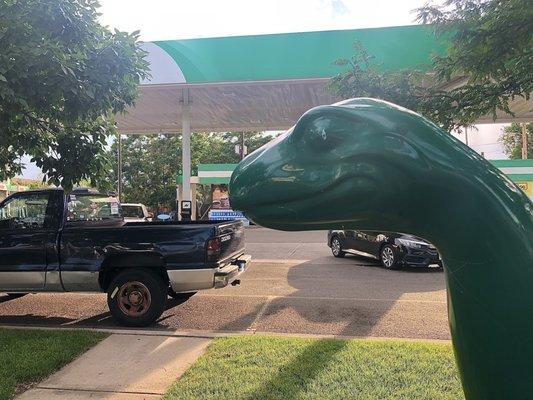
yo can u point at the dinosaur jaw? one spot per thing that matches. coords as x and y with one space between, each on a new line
342 202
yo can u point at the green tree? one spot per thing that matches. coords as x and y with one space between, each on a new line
511 139
490 49
152 162
62 78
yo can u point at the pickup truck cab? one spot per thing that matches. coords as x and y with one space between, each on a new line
51 241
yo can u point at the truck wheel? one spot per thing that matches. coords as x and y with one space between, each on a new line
137 297
180 296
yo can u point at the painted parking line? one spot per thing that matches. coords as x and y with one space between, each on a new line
321 298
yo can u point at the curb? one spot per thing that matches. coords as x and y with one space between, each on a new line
218 334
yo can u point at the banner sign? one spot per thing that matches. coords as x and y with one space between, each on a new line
227 215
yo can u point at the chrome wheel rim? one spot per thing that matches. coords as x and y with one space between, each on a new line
387 256
336 247
134 299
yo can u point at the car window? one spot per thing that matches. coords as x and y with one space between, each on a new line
26 211
132 212
92 207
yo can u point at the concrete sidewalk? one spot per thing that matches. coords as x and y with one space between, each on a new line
125 367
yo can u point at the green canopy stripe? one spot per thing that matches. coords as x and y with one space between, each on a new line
299 55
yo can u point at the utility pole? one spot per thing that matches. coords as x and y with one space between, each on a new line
119 167
466 135
524 140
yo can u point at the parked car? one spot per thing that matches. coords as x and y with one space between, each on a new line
135 212
393 250
78 242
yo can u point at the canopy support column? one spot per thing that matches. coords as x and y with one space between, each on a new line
186 143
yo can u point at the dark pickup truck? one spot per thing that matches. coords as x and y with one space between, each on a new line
78 242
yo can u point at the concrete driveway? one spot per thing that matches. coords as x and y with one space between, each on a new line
294 286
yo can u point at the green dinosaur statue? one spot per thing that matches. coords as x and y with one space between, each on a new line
371 165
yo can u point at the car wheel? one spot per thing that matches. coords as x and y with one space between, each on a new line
180 296
336 247
388 257
137 297
16 295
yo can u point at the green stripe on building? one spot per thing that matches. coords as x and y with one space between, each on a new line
520 177
512 163
218 180
216 167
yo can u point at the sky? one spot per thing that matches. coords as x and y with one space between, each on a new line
183 19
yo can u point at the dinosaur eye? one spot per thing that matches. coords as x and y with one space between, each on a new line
328 132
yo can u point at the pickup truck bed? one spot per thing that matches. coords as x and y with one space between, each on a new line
50 241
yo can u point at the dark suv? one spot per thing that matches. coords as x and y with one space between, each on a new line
393 250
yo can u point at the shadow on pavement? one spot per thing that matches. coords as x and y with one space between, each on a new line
336 297
350 297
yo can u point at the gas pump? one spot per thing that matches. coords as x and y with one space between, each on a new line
186 210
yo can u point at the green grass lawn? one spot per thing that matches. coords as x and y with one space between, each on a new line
285 368
31 355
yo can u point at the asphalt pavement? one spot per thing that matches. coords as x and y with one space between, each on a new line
294 286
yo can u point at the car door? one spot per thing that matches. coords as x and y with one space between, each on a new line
373 243
365 242
350 240
24 235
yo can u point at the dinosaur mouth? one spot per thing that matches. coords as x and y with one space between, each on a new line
356 186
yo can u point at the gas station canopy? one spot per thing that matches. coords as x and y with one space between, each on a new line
265 82
262 82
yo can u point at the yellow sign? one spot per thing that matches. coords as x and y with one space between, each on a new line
527 187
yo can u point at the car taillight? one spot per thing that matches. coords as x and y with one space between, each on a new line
213 249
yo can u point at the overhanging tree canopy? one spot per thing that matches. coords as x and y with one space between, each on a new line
63 76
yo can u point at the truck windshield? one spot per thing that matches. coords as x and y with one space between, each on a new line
92 207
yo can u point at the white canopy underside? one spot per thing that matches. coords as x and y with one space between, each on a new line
245 106
267 105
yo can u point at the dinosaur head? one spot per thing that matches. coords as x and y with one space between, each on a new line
370 165
360 163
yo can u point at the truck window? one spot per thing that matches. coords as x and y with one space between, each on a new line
27 211
92 207
132 211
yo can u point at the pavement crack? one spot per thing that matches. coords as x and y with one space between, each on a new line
260 314
295 249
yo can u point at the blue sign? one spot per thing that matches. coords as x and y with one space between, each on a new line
227 215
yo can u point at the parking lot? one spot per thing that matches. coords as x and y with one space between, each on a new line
293 286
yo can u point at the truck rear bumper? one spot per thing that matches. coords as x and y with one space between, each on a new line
228 274
192 280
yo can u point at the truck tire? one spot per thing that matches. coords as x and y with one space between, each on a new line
137 297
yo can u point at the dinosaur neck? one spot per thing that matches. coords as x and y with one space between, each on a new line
486 241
